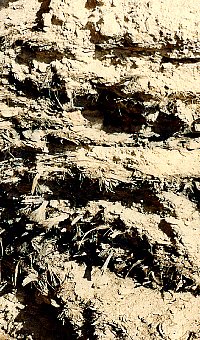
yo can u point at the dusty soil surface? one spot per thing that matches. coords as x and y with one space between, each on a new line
99 169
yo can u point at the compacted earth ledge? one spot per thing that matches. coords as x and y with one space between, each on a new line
99 169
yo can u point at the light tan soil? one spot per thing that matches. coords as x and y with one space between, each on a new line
99 169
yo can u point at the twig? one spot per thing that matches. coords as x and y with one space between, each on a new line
101 227
133 265
105 265
16 274
1 246
59 103
35 182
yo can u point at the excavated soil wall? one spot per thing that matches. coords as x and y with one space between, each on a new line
99 169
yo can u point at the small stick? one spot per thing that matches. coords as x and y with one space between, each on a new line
1 246
133 265
16 274
105 265
93 229
59 103
35 183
